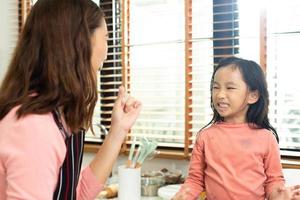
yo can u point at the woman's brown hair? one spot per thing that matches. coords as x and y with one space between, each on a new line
51 66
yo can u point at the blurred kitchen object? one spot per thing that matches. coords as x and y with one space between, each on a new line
129 180
130 156
149 148
172 176
102 129
110 191
151 182
169 191
145 149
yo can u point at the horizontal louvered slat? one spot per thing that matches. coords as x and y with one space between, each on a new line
111 72
282 53
157 70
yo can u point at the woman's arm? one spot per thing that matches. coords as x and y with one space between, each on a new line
125 112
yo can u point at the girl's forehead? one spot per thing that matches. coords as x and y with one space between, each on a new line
229 74
231 67
228 70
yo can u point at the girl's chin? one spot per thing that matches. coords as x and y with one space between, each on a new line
222 113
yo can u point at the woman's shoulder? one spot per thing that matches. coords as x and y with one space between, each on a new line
32 129
34 142
29 121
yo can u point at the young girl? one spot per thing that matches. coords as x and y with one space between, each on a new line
47 101
237 156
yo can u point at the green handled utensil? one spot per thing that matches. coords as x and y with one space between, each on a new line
130 156
150 147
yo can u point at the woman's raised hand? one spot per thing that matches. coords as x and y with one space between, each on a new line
125 112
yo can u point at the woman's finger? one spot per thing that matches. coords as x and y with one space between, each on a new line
130 100
295 187
121 95
296 197
296 193
131 104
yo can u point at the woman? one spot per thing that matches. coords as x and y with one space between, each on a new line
46 103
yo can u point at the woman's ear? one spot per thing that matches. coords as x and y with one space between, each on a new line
253 97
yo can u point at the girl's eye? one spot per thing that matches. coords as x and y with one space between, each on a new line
215 87
230 88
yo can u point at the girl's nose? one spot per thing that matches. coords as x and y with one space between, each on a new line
221 94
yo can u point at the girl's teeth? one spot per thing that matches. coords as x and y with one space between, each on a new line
223 105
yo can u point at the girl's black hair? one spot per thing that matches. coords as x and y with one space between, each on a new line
253 76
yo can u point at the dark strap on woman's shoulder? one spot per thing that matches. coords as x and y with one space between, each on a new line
70 170
57 119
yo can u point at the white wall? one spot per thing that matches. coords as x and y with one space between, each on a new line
8 32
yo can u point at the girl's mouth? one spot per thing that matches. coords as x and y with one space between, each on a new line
222 105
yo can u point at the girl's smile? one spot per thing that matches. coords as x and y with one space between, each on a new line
222 107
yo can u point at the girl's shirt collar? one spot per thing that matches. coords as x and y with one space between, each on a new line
235 125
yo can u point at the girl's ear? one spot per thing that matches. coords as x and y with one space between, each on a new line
253 97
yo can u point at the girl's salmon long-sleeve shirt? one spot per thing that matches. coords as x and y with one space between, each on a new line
234 162
32 150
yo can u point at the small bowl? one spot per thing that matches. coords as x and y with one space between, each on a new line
172 176
151 182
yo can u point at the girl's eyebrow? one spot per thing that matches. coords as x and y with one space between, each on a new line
227 83
230 83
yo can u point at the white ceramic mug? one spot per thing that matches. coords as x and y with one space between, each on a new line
129 183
